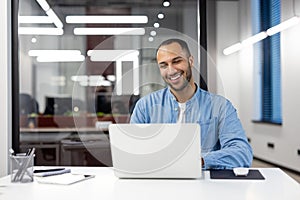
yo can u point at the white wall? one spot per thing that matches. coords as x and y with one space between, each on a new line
4 108
239 68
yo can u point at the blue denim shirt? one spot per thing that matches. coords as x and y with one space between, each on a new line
224 144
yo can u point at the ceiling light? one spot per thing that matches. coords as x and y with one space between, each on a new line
150 39
40 31
160 16
113 55
166 3
54 18
153 33
100 83
53 52
232 49
61 58
255 38
262 35
43 3
109 31
79 78
156 25
96 78
33 40
283 25
111 78
108 19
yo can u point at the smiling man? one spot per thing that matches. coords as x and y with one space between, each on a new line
224 144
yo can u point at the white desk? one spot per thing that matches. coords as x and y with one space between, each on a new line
105 185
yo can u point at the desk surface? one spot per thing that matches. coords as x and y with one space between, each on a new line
105 185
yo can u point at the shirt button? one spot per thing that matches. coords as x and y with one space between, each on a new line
176 109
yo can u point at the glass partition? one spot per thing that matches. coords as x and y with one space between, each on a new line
84 64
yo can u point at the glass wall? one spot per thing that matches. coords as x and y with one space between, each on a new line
83 64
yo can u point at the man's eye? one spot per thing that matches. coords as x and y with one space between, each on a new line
176 61
163 66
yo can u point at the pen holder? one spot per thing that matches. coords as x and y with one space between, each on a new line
21 168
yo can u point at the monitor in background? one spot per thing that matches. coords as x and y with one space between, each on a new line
114 104
58 105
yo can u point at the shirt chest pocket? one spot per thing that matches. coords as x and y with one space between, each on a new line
209 135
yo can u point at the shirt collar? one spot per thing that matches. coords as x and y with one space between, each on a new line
195 97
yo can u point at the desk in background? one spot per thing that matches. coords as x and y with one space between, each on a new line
67 146
276 186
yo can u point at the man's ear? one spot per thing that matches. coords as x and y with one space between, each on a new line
191 61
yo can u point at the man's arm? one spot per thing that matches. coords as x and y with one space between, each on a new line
235 150
138 114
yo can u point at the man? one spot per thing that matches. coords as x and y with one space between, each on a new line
223 140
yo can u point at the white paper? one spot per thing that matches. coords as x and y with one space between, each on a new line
63 179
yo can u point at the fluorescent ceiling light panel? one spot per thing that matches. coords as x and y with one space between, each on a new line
43 3
255 38
232 49
113 55
109 31
111 78
96 78
79 78
53 52
34 20
108 19
40 31
54 18
61 58
100 83
284 25
84 83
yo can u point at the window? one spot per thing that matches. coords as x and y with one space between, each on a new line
267 73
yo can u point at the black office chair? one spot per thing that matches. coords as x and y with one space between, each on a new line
28 105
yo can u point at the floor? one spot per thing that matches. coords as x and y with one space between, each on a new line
261 164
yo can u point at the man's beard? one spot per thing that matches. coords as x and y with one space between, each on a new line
187 80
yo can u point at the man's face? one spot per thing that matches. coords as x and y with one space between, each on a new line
175 66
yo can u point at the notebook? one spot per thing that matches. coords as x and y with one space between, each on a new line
156 150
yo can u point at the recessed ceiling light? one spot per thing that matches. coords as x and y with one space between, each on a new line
156 25
150 39
153 33
166 3
33 40
160 16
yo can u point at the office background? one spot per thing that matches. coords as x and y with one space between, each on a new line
228 23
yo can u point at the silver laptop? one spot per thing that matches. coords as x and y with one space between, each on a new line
156 150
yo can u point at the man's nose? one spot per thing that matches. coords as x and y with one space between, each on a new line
171 69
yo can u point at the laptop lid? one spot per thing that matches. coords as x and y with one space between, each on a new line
156 150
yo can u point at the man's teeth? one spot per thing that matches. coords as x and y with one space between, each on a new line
175 77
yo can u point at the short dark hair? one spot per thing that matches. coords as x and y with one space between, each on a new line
182 44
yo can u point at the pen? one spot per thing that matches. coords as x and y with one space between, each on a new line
25 166
52 173
47 170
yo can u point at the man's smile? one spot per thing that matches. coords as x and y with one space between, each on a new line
175 77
